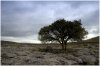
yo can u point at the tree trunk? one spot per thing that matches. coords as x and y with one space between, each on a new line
65 46
62 46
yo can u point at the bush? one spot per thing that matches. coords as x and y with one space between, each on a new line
4 55
48 49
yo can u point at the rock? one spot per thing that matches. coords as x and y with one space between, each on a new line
83 51
67 62
88 59
21 53
71 62
97 61
37 55
7 62
8 55
35 61
78 60
71 57
75 56
54 61
92 52
11 55
4 56
23 60
63 61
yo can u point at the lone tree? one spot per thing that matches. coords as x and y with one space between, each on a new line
62 31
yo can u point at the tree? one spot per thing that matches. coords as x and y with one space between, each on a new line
62 31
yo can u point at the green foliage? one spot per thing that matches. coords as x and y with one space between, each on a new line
61 31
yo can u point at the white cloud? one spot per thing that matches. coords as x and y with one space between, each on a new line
20 40
91 36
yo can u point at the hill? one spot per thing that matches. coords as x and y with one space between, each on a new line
94 39
2 41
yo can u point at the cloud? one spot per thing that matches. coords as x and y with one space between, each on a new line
20 40
23 19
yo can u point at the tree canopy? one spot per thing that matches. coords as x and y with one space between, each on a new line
62 31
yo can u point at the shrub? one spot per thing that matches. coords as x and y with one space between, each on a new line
4 55
48 49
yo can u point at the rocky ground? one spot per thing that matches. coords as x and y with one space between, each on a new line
32 55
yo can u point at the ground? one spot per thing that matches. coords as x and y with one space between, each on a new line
41 54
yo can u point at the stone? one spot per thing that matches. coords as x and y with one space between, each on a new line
71 62
71 57
8 55
83 51
7 62
11 55
21 53
89 59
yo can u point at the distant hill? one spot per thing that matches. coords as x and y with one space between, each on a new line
94 39
11 42
19 42
2 41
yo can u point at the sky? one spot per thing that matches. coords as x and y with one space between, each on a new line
22 20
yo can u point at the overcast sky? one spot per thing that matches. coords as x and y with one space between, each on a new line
22 20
